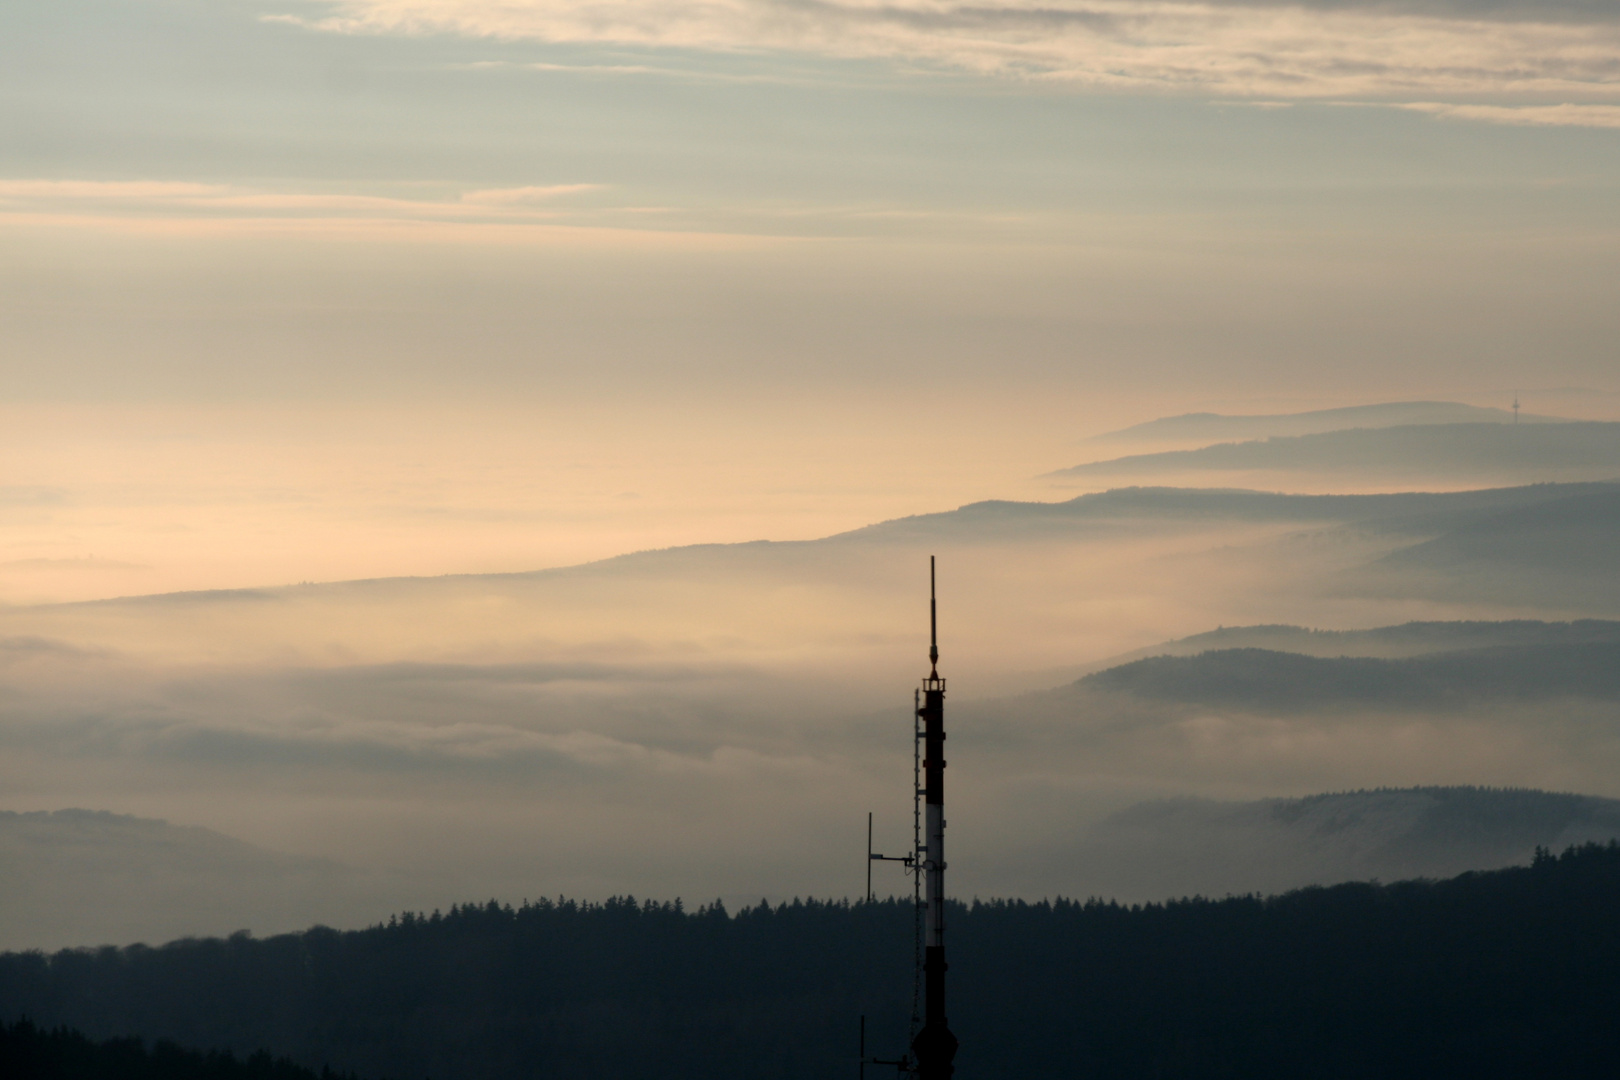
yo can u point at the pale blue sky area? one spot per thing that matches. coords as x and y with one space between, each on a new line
987 223
208 91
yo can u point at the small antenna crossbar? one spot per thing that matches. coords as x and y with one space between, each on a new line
931 1046
872 857
902 1065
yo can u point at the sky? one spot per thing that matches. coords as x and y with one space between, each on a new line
296 291
307 291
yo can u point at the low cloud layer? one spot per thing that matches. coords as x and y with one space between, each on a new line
717 720
1356 50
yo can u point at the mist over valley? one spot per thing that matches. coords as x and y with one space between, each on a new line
600 729
503 503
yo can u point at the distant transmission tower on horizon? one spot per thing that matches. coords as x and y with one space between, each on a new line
1515 406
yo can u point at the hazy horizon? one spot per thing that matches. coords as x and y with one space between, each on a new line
497 444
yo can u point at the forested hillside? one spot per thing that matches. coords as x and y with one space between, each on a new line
1511 973
28 1052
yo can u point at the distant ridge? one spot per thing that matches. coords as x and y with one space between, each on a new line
1266 680
1183 847
1416 513
1219 427
1564 551
1405 639
1534 451
83 877
1579 533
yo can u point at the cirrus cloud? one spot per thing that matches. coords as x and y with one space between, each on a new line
1326 50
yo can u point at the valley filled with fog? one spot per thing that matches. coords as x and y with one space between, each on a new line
1137 675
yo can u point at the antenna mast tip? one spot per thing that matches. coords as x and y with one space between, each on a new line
933 622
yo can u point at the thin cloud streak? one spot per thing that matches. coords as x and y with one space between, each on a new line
523 196
1268 51
646 71
172 196
530 214
1566 115
560 235
527 215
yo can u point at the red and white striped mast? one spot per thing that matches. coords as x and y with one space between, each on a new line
934 1048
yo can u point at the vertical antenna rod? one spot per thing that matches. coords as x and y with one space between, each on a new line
933 622
934 1046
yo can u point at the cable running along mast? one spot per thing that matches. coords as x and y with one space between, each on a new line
932 1047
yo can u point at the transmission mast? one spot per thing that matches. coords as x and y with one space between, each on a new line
935 1046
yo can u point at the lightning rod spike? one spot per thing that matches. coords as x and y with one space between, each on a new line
933 621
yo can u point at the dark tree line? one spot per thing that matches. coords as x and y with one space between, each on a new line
1510 973
28 1052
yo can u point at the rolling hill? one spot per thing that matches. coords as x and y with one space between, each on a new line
82 877
592 728
1500 974
1217 427
1407 639
1208 847
1267 680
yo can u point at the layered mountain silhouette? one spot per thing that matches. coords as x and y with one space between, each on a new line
1208 427
84 877
1413 666
88 878
1187 847
1471 452
1407 639
1574 534
696 680
1563 551
1271 681
1572 514
1410 513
